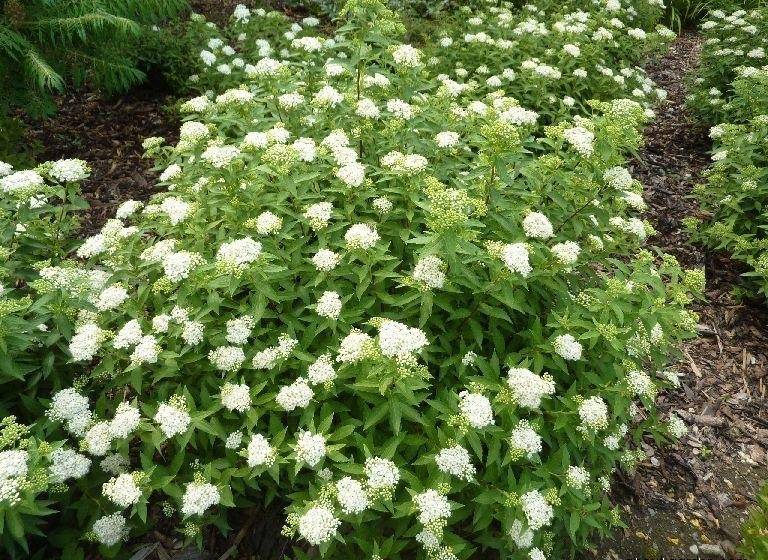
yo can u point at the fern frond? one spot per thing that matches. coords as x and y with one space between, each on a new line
64 30
41 73
12 43
108 73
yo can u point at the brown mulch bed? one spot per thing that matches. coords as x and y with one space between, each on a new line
691 498
107 133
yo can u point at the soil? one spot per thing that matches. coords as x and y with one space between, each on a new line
690 499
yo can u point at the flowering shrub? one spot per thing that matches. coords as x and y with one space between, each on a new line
39 291
734 47
734 195
417 315
552 61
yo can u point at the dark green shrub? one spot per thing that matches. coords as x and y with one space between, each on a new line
45 45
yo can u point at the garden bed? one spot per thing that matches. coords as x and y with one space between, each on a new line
685 499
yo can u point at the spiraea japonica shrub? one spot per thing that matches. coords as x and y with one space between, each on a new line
421 318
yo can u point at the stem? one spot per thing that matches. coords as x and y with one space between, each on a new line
577 211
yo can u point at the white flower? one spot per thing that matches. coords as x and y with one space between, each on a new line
192 333
537 225
325 260
239 253
446 139
296 395
122 490
430 271
227 358
239 329
456 461
98 439
125 421
476 409
234 440
319 214
407 56
400 109
328 96
566 253
381 473
676 427
523 538
321 370
352 174
72 408
432 506
528 388
198 497
361 236
306 148
593 413
177 266
354 347
329 305
367 109
13 463
86 342
66 464
515 256
318 525
268 223
68 170
397 340
110 529
536 509
236 397
260 452
382 205
641 384
111 297
129 335
577 477
581 139
525 440
170 172
567 347
351 496
147 351
220 156
310 448
172 420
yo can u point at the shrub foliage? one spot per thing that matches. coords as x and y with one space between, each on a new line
416 308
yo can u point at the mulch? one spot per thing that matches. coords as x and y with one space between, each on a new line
690 499
107 133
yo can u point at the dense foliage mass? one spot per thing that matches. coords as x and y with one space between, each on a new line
45 44
734 196
403 290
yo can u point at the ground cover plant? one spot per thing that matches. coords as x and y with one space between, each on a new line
371 288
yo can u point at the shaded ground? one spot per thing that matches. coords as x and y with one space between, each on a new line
696 493
107 133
